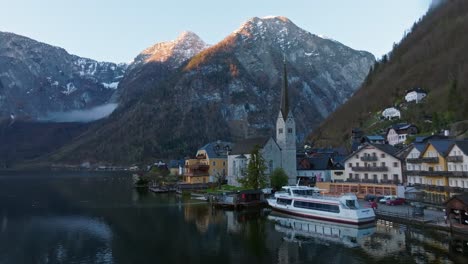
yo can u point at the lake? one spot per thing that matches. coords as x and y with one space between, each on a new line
91 217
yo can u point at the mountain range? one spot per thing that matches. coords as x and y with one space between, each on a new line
37 79
176 96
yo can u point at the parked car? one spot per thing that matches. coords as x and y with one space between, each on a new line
396 201
372 197
386 198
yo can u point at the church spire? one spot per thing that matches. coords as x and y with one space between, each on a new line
284 107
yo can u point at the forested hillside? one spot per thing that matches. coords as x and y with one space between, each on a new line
432 56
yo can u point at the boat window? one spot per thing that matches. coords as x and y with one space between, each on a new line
317 206
283 201
304 192
351 204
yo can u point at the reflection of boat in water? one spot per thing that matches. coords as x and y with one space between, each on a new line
299 230
307 202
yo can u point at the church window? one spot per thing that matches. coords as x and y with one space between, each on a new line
280 130
289 130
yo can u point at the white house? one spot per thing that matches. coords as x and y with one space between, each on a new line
391 113
398 133
415 95
457 164
374 163
413 162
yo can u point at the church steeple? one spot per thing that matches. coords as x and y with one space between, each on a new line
284 107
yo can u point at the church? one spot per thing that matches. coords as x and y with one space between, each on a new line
279 152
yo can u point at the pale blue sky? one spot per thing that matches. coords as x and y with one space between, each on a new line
117 31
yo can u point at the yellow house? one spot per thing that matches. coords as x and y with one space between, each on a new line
215 155
432 173
210 164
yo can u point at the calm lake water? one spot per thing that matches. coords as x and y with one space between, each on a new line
99 218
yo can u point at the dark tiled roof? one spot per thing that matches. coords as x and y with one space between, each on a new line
462 197
387 149
462 145
374 137
442 146
423 139
317 163
217 149
246 146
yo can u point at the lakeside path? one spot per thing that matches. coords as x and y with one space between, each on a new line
404 214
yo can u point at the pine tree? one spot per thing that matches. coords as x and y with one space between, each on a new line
255 177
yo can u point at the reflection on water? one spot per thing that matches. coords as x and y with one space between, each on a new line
100 218
299 230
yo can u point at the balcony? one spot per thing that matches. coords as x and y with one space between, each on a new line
429 173
369 158
458 173
455 189
414 160
430 160
455 159
370 168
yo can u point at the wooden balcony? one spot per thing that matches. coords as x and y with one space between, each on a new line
370 168
423 160
369 158
455 159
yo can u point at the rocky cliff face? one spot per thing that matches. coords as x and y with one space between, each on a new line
157 63
36 78
228 91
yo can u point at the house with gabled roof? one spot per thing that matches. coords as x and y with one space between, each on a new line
209 164
430 171
398 133
374 163
457 165
314 168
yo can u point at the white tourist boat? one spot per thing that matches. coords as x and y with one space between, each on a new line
307 202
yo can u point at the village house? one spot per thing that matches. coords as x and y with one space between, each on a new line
313 169
398 133
415 95
391 113
428 171
210 163
374 163
457 164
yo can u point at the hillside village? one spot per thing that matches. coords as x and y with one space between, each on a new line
401 162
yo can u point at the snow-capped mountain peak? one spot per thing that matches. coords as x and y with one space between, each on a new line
175 52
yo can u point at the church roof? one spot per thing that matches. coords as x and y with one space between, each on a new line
246 146
284 107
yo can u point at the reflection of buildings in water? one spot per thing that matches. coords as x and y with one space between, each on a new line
202 214
298 230
236 219
458 247
388 238
428 248
233 226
